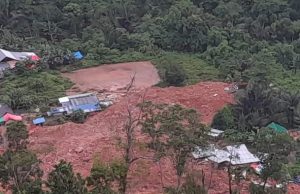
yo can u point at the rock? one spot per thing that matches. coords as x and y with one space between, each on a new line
79 150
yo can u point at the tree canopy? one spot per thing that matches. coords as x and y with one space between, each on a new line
243 39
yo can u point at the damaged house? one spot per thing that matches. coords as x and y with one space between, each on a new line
9 59
88 102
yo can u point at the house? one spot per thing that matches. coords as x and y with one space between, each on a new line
87 102
9 59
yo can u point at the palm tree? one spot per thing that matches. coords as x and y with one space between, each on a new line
290 104
254 104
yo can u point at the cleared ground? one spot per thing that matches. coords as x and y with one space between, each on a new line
114 77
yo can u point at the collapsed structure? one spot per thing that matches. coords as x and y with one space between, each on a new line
87 102
9 59
236 155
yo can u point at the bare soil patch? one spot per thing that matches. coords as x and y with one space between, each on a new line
113 77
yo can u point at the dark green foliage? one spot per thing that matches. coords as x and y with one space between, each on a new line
194 67
103 176
78 116
174 74
259 104
294 169
224 119
28 92
63 180
243 39
19 168
17 135
278 147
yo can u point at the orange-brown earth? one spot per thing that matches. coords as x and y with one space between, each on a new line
99 136
114 77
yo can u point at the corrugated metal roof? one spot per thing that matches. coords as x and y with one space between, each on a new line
80 99
88 108
4 54
237 155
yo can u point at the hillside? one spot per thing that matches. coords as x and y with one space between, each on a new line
149 81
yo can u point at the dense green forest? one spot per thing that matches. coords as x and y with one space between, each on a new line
241 39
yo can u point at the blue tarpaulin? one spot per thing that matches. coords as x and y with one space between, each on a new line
78 55
39 120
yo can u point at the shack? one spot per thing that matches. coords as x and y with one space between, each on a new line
87 102
9 59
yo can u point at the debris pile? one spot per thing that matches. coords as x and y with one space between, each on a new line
98 136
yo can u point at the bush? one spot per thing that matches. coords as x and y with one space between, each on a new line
78 116
174 74
224 119
63 180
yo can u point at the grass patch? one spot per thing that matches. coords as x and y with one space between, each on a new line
195 68
34 90
287 80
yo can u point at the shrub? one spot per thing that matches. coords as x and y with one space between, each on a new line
78 116
63 180
224 119
17 135
174 74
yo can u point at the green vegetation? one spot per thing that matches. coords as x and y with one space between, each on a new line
257 106
78 116
19 168
255 41
63 180
34 90
236 39
224 119
194 67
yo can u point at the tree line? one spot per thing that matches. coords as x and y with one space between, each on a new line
242 38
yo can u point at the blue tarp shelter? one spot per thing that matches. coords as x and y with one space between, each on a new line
39 121
78 55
